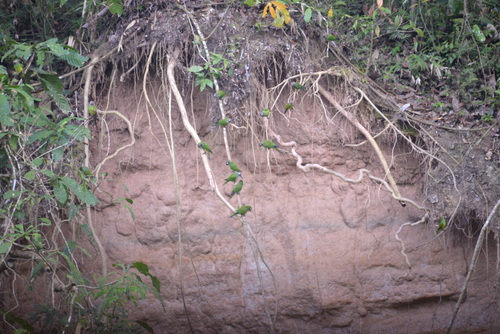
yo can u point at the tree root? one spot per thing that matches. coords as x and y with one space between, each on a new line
390 186
102 251
403 249
126 36
132 138
248 231
475 256
368 136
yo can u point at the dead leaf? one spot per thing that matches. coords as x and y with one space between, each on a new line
370 11
380 3
488 155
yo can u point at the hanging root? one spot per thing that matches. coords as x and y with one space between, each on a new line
475 256
248 231
88 76
369 137
422 220
391 185
361 172
102 251
132 138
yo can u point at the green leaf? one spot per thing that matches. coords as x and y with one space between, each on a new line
397 21
70 247
36 270
55 48
45 221
88 233
75 273
73 210
19 214
87 197
39 135
54 88
70 55
81 192
5 111
37 162
62 2
40 57
216 58
385 10
308 14
209 83
129 210
419 31
58 154
115 7
29 102
5 247
145 326
30 175
8 53
141 267
48 173
23 51
13 142
9 194
38 240
250 3
195 69
77 131
19 228
156 283
60 193
86 252
74 58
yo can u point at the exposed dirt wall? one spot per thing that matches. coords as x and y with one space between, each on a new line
336 264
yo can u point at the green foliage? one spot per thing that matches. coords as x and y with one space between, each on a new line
114 296
217 65
425 44
39 20
43 185
488 117
115 7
